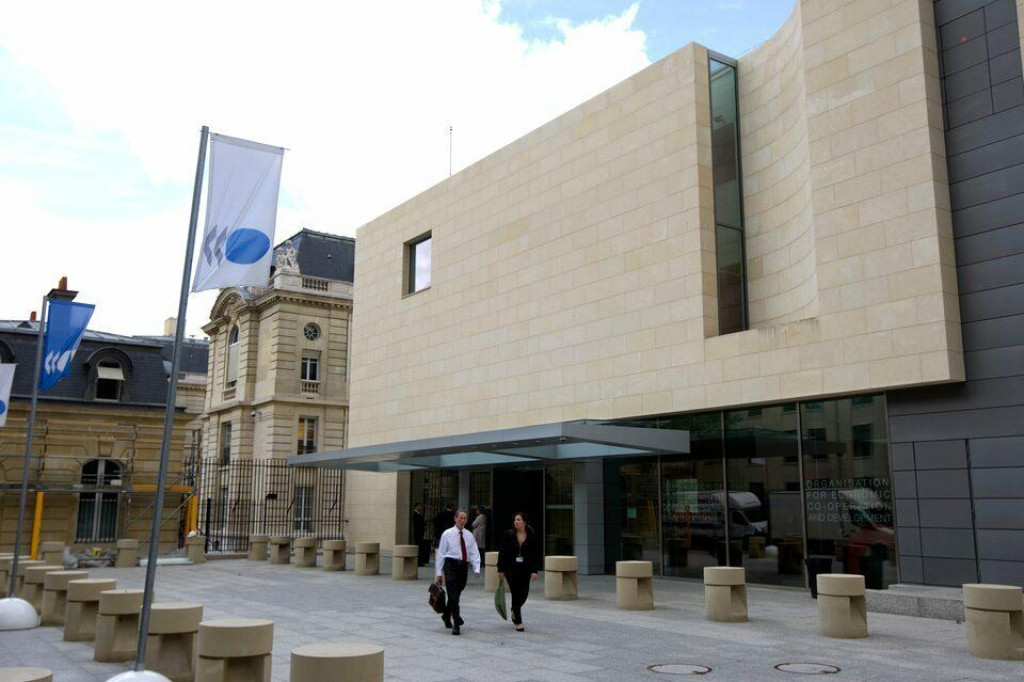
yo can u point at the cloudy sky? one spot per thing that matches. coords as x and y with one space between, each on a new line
101 105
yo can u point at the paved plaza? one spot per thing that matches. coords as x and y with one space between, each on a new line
588 639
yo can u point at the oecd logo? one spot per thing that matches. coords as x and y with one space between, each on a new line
243 246
56 363
3 408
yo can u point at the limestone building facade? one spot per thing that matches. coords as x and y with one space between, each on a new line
807 259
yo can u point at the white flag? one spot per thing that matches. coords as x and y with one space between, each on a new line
241 213
6 379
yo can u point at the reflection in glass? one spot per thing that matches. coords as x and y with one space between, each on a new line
848 489
558 516
765 512
631 512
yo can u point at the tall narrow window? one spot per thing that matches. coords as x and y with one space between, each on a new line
97 510
231 376
417 263
306 436
303 509
725 156
225 443
309 372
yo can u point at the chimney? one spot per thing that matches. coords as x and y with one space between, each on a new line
63 286
32 316
170 326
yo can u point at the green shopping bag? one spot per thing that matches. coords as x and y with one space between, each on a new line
499 599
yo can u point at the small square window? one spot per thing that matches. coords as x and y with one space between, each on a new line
417 264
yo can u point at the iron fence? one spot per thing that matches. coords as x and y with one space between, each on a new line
241 498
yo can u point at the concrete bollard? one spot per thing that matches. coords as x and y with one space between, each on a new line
280 549
560 577
352 662
117 625
634 585
83 601
127 553
171 640
25 675
334 555
19 579
842 606
55 591
995 621
195 549
258 547
404 561
490 572
305 552
725 594
234 649
32 587
52 553
367 558
6 560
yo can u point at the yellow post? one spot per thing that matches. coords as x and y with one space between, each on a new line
37 523
192 516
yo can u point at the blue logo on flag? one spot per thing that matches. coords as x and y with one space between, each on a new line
246 246
3 407
64 329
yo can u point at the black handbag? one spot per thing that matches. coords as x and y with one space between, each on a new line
437 599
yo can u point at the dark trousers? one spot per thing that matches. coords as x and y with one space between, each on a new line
424 551
455 573
519 587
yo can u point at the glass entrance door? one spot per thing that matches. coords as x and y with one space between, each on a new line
692 515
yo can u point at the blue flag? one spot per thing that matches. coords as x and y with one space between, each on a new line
64 329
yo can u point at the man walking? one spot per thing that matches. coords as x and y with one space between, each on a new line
456 552
419 530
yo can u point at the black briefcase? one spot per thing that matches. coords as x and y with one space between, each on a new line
437 599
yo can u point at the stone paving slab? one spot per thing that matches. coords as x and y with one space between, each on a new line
585 640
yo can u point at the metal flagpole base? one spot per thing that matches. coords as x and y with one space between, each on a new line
139 676
17 614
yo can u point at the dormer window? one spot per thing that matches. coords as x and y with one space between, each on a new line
109 380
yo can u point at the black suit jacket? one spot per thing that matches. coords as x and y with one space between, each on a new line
533 556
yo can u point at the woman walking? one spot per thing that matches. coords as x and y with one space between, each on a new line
519 560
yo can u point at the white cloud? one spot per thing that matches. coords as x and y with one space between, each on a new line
361 93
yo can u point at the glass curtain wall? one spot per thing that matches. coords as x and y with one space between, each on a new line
558 514
725 156
847 487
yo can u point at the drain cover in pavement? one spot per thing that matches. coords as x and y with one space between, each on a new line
807 668
679 669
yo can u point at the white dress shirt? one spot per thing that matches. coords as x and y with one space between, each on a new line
450 548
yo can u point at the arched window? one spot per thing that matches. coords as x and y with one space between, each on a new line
109 380
231 377
6 354
97 510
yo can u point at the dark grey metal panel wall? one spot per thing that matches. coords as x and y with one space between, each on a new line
958 451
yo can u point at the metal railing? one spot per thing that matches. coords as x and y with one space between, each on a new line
267 497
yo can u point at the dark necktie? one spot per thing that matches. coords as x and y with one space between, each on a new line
462 542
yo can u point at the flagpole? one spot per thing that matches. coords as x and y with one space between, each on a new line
172 391
28 446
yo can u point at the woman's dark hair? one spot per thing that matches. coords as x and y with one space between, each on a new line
526 521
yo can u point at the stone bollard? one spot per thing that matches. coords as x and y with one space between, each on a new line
127 553
32 587
117 625
560 582
842 606
351 661
25 675
55 592
305 552
52 553
334 555
258 547
725 594
19 579
634 585
171 640
83 601
280 549
234 649
490 572
756 547
367 558
195 549
5 572
995 621
403 562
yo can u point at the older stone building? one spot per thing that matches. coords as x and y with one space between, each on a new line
97 439
277 386
756 310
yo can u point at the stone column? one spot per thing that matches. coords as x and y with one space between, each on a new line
995 621
634 585
305 552
234 649
403 562
127 553
258 547
560 581
117 625
842 606
55 590
83 607
490 572
171 640
725 594
334 555
32 588
588 517
195 549
352 662
52 553
19 579
367 558
280 549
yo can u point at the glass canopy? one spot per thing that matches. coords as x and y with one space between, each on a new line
565 441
